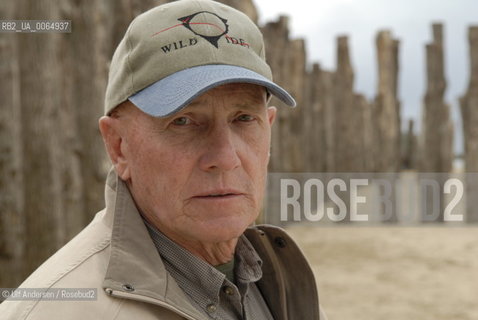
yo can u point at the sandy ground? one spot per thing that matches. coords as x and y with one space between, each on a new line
394 273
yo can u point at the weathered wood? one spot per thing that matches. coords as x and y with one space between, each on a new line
366 134
293 133
469 107
345 132
409 148
436 145
327 100
313 120
285 72
39 111
387 107
12 219
436 148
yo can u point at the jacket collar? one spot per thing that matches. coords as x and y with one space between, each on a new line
135 265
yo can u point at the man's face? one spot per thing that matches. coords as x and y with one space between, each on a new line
199 175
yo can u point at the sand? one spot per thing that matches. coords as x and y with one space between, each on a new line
394 273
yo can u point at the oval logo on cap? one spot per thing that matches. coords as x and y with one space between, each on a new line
207 25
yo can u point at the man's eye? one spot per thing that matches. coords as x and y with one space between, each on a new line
245 117
181 121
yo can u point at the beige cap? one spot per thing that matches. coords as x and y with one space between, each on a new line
175 52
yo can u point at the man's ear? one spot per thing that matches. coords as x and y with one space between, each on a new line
271 114
115 145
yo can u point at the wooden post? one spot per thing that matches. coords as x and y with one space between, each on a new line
469 113
12 199
387 107
345 132
436 145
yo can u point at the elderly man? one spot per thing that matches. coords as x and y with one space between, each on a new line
188 129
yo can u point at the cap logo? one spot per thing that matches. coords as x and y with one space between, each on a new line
212 30
207 25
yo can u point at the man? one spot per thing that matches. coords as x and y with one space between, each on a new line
187 129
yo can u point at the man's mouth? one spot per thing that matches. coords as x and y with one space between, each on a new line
219 194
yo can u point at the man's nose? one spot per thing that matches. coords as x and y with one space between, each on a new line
221 150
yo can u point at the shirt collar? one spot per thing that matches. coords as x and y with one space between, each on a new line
201 281
249 264
197 274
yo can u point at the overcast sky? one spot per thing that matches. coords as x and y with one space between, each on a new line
321 21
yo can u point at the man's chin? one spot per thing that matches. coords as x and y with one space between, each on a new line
221 232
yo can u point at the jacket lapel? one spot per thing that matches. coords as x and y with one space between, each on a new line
286 283
135 266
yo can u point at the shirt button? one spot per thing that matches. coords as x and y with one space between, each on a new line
228 290
211 308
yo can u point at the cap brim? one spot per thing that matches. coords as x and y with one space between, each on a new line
171 94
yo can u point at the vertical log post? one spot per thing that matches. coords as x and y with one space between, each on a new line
469 113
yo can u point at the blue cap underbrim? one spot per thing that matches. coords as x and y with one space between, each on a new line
173 93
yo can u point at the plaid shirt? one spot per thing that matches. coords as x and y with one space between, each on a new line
209 289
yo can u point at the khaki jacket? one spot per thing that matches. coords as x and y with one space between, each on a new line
116 255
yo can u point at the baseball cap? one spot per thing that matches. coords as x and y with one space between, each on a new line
173 53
